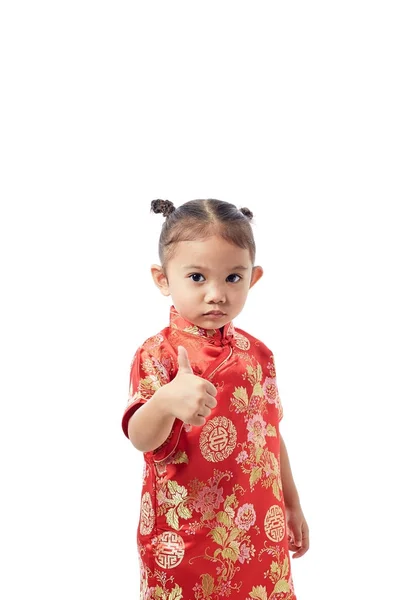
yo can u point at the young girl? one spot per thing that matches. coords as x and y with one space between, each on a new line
219 508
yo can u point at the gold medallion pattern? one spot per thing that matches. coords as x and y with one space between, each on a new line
169 550
274 524
218 439
241 341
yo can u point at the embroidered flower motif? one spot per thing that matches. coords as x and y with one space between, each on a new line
246 517
257 429
242 456
156 369
155 341
270 390
209 498
271 393
225 588
246 553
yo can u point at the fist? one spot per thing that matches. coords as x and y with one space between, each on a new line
192 397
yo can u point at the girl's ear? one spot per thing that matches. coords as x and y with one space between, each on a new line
257 273
160 279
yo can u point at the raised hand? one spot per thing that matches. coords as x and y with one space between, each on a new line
190 398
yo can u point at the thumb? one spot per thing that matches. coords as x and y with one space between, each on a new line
183 361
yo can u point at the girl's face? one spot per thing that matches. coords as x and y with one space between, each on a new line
208 275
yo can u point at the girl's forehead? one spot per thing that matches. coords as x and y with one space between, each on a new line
211 252
208 245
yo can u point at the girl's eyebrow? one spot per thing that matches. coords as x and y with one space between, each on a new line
201 268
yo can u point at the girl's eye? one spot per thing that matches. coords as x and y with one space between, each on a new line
196 275
235 275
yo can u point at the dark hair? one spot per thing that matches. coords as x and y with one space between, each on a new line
199 219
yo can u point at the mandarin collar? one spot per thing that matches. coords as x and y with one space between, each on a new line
176 321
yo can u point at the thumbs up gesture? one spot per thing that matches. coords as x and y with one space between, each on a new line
190 398
184 365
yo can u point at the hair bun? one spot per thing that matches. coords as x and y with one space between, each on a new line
247 212
166 207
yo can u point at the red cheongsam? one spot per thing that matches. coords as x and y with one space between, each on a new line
212 517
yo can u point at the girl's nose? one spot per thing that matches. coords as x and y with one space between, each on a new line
215 295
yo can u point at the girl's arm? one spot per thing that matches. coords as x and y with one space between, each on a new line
298 532
289 489
151 424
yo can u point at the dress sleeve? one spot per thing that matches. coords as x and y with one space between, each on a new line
271 387
147 374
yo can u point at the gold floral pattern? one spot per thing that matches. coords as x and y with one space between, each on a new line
147 515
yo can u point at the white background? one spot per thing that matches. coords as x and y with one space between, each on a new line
288 108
